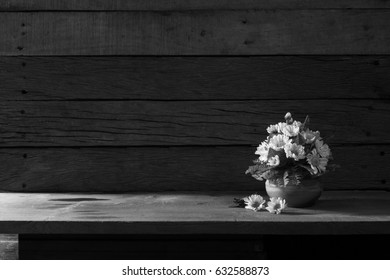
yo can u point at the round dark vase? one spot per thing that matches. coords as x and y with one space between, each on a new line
303 195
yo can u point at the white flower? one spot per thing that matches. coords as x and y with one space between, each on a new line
254 202
273 129
317 163
297 123
276 205
294 151
280 126
274 161
291 130
262 151
310 136
277 142
322 149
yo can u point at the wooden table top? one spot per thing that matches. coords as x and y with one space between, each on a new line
341 212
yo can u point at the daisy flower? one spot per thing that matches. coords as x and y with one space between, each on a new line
294 151
310 136
274 161
262 151
322 149
254 202
277 142
291 130
297 123
273 129
280 126
276 205
317 163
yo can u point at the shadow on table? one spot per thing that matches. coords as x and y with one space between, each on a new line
356 207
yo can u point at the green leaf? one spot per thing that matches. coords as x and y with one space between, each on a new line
239 202
305 123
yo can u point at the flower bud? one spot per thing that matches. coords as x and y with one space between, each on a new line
288 118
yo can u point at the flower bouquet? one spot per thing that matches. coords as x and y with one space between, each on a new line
290 160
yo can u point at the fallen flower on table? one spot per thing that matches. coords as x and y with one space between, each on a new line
276 205
254 202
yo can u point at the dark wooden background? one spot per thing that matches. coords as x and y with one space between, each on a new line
175 95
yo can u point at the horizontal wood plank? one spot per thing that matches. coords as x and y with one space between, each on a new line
171 169
18 5
189 213
194 78
258 32
140 123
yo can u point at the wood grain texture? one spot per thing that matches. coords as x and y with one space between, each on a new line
171 169
9 247
140 123
18 5
194 78
259 32
189 213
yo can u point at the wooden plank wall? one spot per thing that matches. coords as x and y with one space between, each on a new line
175 95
